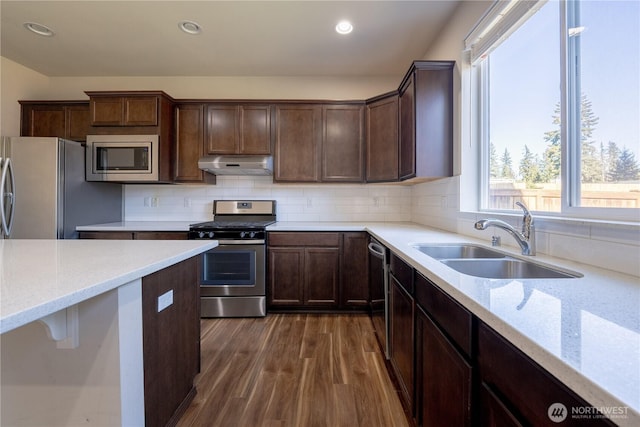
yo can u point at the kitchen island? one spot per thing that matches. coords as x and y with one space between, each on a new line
71 318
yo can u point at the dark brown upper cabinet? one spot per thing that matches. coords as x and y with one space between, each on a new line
63 119
343 143
238 129
319 142
426 121
382 138
189 142
135 108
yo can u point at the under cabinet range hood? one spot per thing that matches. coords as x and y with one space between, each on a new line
237 165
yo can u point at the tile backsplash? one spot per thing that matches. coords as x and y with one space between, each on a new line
434 204
295 202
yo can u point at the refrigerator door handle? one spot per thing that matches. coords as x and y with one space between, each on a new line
7 197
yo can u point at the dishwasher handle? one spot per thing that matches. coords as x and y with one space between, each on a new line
377 250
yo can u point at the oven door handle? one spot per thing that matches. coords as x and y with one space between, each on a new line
241 242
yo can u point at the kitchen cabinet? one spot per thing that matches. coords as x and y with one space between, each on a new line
171 341
443 358
504 369
401 309
127 109
298 135
238 129
354 271
64 119
317 270
319 142
426 121
382 138
189 145
343 143
134 235
303 269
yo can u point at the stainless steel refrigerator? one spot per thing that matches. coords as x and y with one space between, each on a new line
43 192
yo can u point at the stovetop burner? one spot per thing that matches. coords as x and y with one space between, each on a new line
236 219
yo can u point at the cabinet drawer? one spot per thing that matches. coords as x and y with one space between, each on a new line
304 239
453 318
402 271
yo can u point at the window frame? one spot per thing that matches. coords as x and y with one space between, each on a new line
498 23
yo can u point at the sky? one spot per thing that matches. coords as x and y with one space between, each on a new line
527 67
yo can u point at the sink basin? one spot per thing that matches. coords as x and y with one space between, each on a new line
507 268
457 251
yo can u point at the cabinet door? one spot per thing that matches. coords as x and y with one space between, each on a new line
343 143
402 340
443 380
494 411
77 123
106 111
321 269
382 140
43 120
407 154
140 111
297 144
189 142
171 341
222 129
354 271
286 268
255 129
161 235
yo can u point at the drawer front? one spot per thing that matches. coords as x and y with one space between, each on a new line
402 271
303 239
453 318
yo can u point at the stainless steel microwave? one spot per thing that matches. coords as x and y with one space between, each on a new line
122 158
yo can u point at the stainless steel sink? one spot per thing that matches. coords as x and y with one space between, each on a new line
457 251
507 268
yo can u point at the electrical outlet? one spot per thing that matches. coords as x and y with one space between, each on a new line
154 202
309 202
376 201
165 300
187 202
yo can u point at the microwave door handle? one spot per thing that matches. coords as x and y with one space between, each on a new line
7 220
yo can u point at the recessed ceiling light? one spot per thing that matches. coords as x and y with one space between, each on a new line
190 27
344 27
39 29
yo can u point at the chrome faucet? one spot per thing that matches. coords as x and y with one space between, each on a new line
525 238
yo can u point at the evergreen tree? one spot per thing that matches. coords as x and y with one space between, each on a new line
507 166
529 170
494 166
591 165
627 168
551 158
610 161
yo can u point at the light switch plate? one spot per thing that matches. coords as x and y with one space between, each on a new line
165 300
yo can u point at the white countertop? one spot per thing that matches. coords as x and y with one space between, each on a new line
41 277
585 331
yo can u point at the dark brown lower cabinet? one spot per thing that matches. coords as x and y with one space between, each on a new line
134 235
317 271
402 348
517 388
443 378
171 342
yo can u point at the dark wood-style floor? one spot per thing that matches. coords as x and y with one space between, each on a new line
293 370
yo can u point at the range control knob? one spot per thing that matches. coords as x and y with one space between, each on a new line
211 234
243 234
201 234
252 234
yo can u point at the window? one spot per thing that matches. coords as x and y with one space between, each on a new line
559 105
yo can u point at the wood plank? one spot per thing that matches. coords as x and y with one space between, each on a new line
292 370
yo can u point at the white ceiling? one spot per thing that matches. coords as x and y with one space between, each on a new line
239 38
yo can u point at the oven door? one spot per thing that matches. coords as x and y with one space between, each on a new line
233 268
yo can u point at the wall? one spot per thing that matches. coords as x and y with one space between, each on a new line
450 204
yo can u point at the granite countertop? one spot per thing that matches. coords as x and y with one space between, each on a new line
585 331
41 277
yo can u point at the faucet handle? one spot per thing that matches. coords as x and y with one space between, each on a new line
527 220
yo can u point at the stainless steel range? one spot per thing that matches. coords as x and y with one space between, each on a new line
232 275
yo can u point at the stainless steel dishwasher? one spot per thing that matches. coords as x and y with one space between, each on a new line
379 291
